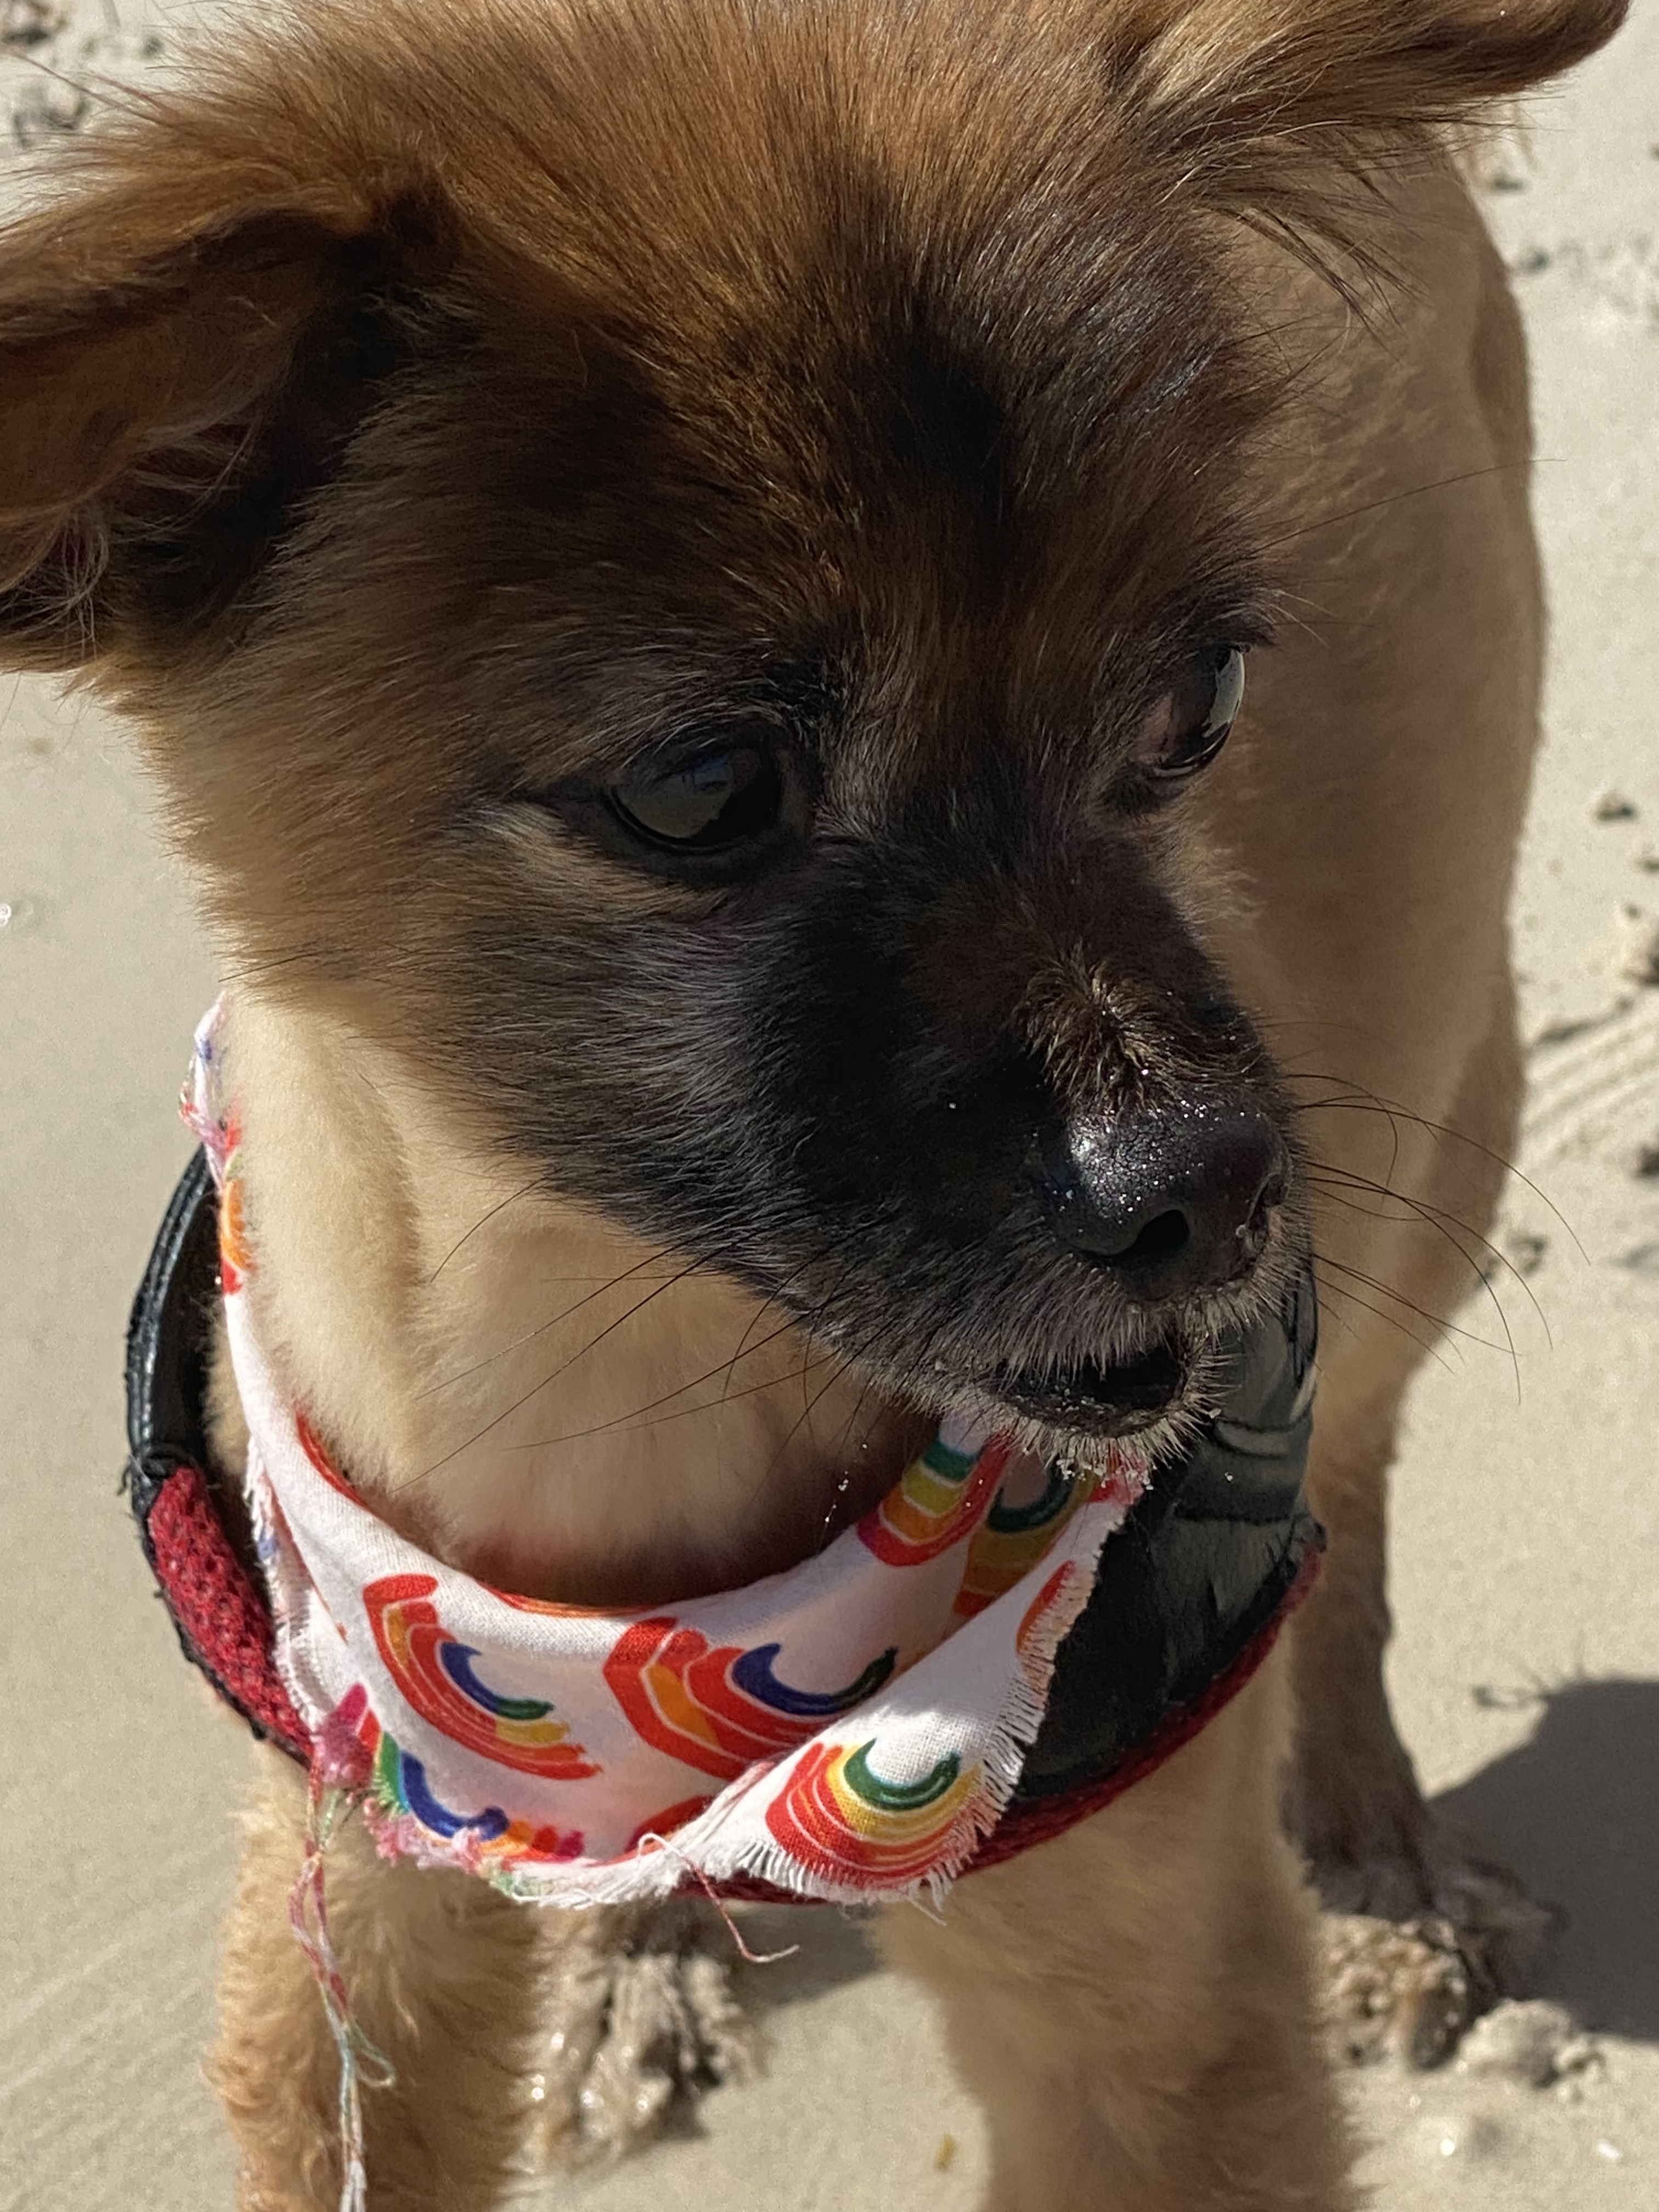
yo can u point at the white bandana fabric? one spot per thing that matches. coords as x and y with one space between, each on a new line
849 1729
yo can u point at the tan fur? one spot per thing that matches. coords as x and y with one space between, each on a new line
347 728
1151 2047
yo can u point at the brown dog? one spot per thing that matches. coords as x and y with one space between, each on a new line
680 562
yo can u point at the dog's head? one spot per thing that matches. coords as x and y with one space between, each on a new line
686 561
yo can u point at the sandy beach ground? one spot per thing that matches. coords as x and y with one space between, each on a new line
1526 1542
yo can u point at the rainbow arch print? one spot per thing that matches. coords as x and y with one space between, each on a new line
837 1816
402 1788
310 1444
937 1498
236 1248
1012 1540
434 1673
720 1708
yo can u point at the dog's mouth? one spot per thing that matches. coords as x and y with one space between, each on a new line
1092 1398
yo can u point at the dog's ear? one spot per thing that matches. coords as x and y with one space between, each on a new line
1244 99
185 342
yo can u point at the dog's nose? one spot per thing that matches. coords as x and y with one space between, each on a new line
1171 1200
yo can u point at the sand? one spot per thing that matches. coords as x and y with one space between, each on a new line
1526 1541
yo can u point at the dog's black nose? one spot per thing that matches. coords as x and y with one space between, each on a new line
1171 1199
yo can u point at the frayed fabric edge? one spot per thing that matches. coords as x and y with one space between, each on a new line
660 1868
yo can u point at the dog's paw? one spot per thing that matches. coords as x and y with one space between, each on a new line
1500 1930
642 2016
1393 1988
1421 1953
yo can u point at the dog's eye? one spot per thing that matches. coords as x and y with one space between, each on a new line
1188 726
704 801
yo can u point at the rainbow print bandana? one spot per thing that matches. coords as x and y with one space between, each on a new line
850 1730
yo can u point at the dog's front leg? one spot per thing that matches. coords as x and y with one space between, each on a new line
442 1974
1132 2004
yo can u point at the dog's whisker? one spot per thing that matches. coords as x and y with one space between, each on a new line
1335 1182
564 1366
1483 1275
640 1416
603 1286
1394 499
1339 1186
777 1297
1438 1322
1326 1291
1361 1101
808 1408
1354 1097
131 100
252 971
536 1182
644 1417
1357 1099
623 1420
842 1441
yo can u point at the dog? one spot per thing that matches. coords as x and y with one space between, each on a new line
687 570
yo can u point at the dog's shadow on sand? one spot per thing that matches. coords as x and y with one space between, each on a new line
1575 1812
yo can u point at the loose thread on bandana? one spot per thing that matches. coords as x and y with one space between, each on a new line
362 2063
753 1958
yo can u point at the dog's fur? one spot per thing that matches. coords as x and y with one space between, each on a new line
433 408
